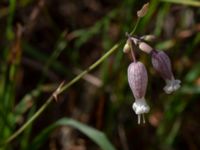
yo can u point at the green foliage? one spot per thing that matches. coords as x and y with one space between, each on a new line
51 49
185 2
9 30
98 137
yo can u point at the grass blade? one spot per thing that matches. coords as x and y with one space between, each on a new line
184 2
96 136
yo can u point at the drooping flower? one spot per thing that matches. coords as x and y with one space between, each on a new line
162 65
137 79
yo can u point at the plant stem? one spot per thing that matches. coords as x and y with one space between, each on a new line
20 130
51 98
132 46
65 87
99 61
135 27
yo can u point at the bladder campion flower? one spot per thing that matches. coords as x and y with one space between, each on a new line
162 65
137 79
137 74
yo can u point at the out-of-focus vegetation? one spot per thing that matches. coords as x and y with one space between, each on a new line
44 42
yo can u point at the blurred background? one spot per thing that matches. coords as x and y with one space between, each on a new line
43 42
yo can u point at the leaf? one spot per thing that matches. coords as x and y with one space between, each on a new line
96 136
184 2
193 74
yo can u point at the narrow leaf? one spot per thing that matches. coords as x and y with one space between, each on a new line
96 136
184 2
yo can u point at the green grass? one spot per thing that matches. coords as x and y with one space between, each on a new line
32 67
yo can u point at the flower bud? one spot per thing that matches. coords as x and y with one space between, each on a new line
145 47
142 12
148 38
142 45
135 40
137 79
162 65
126 48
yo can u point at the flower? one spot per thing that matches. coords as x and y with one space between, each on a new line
162 65
137 79
171 85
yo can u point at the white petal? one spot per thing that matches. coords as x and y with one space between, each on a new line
172 85
140 106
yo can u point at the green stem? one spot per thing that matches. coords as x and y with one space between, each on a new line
99 61
20 130
9 30
135 27
65 87
50 99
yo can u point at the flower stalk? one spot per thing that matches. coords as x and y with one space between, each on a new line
66 86
61 90
137 74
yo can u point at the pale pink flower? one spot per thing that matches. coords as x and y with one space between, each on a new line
137 79
162 65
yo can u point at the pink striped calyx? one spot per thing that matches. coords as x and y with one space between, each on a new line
137 79
162 64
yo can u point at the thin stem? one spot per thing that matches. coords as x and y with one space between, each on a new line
50 99
20 130
135 27
132 46
139 117
133 54
65 87
99 61
143 117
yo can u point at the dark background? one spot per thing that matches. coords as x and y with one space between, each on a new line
44 42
